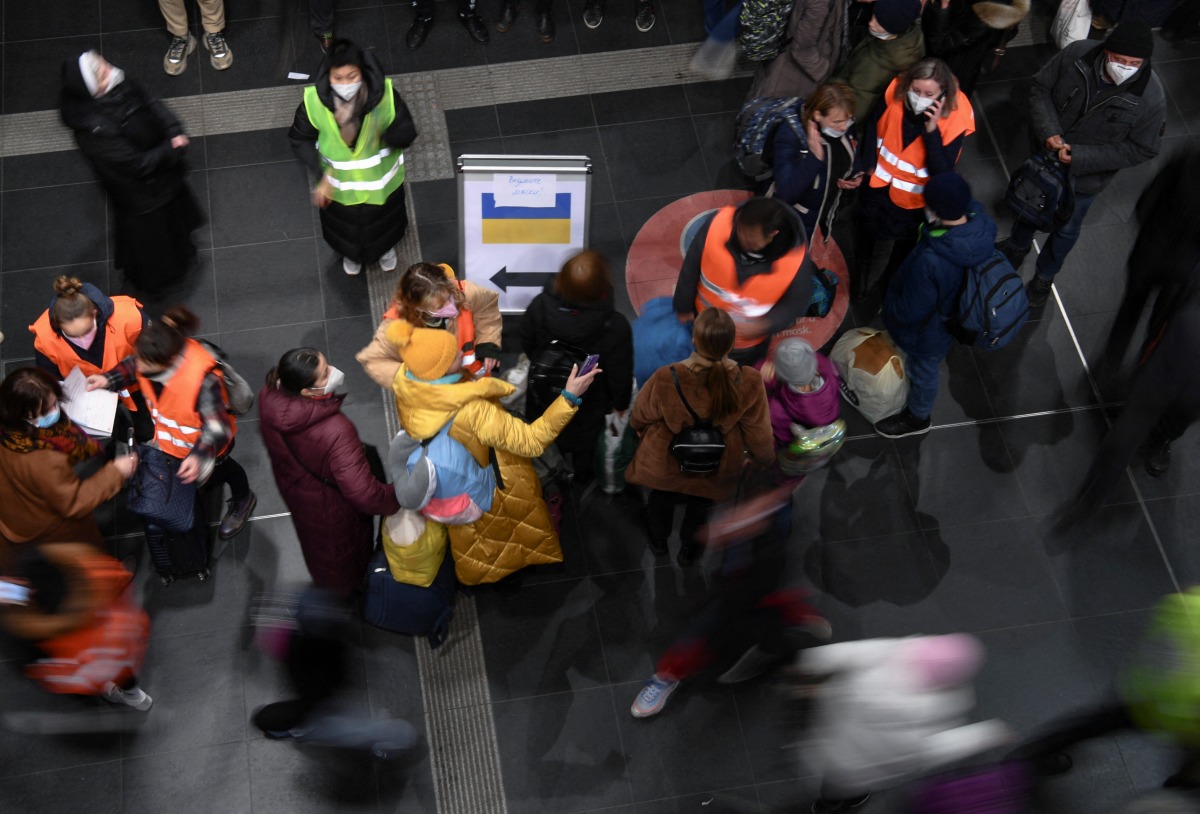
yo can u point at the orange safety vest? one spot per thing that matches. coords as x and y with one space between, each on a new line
903 168
177 422
464 332
121 331
719 287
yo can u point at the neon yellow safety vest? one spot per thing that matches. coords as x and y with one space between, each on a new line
371 171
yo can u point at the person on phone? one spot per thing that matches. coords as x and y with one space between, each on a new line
1100 108
43 498
432 392
917 132
814 169
576 308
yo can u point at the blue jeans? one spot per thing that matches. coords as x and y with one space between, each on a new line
923 374
1058 243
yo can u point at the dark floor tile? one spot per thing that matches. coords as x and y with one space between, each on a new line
615 534
1108 563
606 237
1175 520
1180 81
481 146
1099 773
344 295
1040 370
26 213
552 626
522 42
286 777
583 141
368 417
1093 278
635 213
1126 188
252 279
140 55
564 752
46 170
270 558
723 96
434 201
989 183
210 700
640 104
448 45
116 15
197 290
694 745
544 115
252 147
93 788
256 350
189 780
727 801
681 20
471 123
617 32
261 203
439 243
1020 63
27 294
715 132
1110 643
1183 476
675 167
829 506
346 338
262 56
962 396
770 729
57 19
1006 112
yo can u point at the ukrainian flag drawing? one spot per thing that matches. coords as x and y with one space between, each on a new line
527 224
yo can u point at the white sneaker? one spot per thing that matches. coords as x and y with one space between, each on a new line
136 698
388 261
351 268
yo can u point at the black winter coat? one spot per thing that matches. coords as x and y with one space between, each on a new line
126 136
592 327
965 33
362 232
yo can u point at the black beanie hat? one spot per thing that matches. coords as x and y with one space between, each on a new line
948 195
1131 39
897 16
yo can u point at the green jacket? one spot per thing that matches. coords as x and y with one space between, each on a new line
874 63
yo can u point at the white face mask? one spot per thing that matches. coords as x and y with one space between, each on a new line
348 91
829 131
918 103
335 380
883 35
1119 73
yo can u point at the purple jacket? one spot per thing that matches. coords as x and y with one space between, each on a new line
325 481
810 410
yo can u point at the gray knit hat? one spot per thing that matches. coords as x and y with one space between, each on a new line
795 362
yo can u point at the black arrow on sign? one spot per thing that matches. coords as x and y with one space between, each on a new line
504 278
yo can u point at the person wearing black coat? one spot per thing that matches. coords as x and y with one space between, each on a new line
576 308
965 33
138 149
362 233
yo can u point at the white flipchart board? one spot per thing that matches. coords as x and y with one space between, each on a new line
520 217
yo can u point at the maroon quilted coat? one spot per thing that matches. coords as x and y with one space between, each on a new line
326 483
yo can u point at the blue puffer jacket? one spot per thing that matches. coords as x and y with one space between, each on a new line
924 291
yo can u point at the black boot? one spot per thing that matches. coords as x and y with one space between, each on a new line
545 26
418 31
508 16
1158 455
475 26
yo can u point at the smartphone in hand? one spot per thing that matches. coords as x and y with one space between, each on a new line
589 363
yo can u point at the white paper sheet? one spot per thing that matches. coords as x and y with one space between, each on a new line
94 411
525 189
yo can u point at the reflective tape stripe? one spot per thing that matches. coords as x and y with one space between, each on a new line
899 163
359 163
882 174
166 422
907 187
166 436
370 185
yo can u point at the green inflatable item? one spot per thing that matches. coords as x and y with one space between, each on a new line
1162 686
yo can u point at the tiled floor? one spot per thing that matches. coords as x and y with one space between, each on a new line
941 534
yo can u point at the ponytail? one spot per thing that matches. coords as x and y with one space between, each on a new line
162 340
723 397
713 333
70 302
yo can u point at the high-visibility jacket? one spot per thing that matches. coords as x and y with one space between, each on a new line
904 168
369 172
177 421
751 300
464 331
121 331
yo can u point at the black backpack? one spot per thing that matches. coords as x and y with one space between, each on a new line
700 447
1041 192
548 373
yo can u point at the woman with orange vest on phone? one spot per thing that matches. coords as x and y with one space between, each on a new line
916 132
430 296
85 329
188 400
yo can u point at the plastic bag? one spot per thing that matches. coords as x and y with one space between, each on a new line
872 369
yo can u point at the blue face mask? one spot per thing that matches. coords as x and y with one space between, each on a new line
48 420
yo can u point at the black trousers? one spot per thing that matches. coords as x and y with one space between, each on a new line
424 8
660 509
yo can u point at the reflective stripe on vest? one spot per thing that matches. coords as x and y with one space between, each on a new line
177 421
753 299
903 168
369 172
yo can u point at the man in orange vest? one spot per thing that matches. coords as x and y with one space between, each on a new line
751 261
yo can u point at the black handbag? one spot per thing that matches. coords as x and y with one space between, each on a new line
550 370
157 494
700 447
1041 192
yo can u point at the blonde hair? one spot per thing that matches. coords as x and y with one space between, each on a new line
931 68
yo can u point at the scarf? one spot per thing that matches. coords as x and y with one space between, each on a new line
64 437
349 115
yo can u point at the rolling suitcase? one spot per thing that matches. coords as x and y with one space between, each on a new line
186 553
410 609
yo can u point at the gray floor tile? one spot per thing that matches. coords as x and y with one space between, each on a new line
675 168
724 96
267 202
287 777
1040 370
251 453
565 113
26 213
118 16
268 555
643 104
25 754
1093 278
191 606
434 201
1175 519
197 289
252 279
1179 78
29 64
468 124
681 19
46 170
253 147
207 778
715 132
95 787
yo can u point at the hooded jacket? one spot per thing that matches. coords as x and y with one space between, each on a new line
327 484
814 44
874 63
593 327
126 137
924 290
94 354
966 32
1109 127
516 532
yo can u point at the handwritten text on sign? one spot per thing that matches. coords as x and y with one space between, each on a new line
513 189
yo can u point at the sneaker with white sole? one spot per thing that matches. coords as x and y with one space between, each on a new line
175 60
350 267
136 697
653 696
219 54
388 261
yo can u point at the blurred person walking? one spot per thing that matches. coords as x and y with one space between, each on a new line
732 399
812 51
351 131
321 470
138 149
967 34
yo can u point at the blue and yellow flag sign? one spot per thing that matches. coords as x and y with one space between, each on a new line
524 224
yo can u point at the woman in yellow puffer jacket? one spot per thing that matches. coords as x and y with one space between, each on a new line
431 392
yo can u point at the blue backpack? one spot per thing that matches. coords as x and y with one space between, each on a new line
992 305
440 478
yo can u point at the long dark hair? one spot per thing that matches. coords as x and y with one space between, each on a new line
296 371
713 334
162 340
23 394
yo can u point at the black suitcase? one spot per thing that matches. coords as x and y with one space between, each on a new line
184 554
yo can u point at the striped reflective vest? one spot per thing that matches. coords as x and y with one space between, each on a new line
751 300
369 172
903 168
177 421
464 332
121 331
